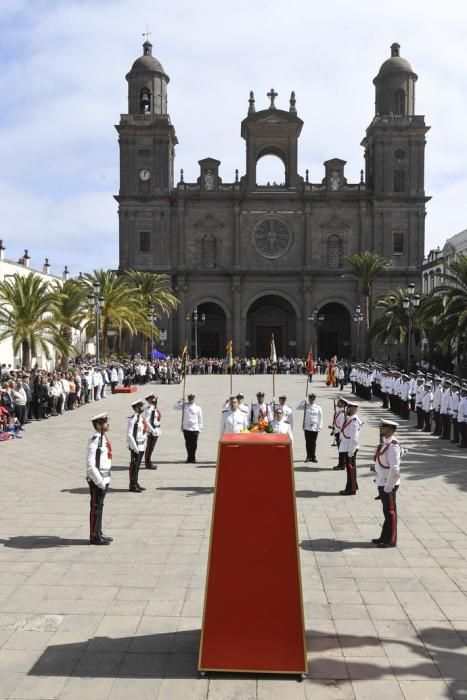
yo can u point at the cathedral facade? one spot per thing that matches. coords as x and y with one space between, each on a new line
255 260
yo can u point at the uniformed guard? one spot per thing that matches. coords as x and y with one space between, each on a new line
462 417
136 438
260 410
286 410
98 466
387 469
427 407
437 396
279 424
348 447
241 403
192 425
337 423
233 420
312 425
152 416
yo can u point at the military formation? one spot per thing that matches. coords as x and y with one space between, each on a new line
438 405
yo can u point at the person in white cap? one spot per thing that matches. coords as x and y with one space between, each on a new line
233 419
337 423
152 416
136 437
348 447
98 467
427 407
387 469
312 425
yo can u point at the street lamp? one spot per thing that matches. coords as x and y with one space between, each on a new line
96 303
194 316
408 304
151 319
316 319
358 318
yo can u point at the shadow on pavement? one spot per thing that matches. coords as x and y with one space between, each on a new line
327 545
316 494
40 542
195 490
85 489
435 653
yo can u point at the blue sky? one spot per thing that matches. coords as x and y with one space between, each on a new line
63 87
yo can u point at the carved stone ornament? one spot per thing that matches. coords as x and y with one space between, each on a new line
335 180
271 238
209 180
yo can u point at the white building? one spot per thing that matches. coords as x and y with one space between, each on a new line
436 261
22 266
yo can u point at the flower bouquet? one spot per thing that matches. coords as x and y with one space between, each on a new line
262 426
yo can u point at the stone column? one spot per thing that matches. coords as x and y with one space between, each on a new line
181 233
236 310
307 236
236 236
307 309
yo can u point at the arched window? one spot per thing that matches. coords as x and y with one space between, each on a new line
334 251
270 171
209 251
145 101
399 106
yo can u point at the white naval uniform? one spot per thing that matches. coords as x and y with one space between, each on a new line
313 416
233 421
100 476
192 416
136 434
282 427
387 464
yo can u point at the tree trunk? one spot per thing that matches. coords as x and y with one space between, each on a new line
26 355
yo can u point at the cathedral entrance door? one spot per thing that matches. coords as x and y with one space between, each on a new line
212 333
334 333
267 316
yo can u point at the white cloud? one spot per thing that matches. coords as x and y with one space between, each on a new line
63 88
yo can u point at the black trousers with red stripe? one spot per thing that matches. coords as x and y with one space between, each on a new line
135 462
150 445
95 511
389 531
350 464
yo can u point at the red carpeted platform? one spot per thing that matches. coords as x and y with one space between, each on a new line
125 390
253 611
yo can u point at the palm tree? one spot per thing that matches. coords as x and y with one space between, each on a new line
69 311
25 316
393 321
122 309
365 267
155 294
447 308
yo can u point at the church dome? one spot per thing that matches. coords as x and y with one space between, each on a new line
396 63
147 62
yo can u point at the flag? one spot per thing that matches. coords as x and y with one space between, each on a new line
273 356
310 365
228 360
185 359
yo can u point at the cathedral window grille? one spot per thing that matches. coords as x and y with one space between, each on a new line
144 241
399 180
398 243
399 107
334 251
209 251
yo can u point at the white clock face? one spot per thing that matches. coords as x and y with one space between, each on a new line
144 174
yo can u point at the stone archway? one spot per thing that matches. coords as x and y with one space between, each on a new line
334 334
212 334
271 315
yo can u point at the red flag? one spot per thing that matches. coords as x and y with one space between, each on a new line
310 365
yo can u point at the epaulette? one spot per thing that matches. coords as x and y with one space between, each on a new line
224 410
94 437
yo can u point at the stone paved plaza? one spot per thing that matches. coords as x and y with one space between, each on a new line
123 621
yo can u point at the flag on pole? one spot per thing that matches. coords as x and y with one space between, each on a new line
310 365
273 355
185 359
228 360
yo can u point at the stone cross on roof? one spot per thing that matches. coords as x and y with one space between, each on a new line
272 96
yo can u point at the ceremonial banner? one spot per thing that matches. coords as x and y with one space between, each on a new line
253 613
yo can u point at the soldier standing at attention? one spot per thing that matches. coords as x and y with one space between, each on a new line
192 425
137 443
348 447
98 466
261 410
337 423
233 419
387 468
152 416
312 424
